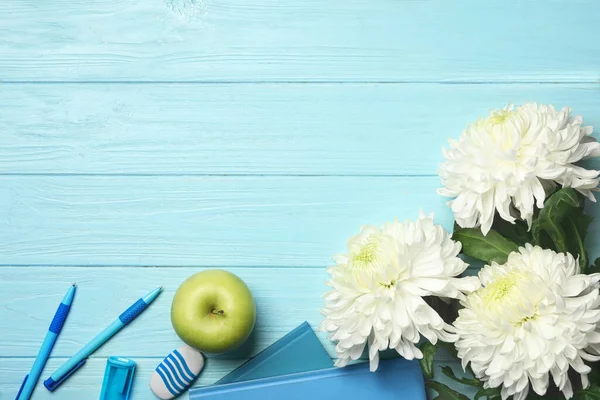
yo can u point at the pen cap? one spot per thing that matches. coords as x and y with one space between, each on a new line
118 379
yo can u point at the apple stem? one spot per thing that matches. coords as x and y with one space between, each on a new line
218 312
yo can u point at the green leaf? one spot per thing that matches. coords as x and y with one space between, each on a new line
517 232
575 227
492 247
426 362
591 393
556 208
465 381
489 394
444 392
449 347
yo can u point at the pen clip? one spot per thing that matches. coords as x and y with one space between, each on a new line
22 386
51 384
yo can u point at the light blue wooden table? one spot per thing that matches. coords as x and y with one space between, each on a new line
142 141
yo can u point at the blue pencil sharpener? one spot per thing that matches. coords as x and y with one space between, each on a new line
118 379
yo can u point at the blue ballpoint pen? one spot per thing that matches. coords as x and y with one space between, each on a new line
79 358
57 323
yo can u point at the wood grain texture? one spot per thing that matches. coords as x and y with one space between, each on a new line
363 129
284 298
142 141
312 40
199 221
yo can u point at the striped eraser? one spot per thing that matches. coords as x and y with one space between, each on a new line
175 374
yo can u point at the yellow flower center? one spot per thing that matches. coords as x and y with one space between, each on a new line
511 297
499 289
499 130
368 263
389 285
526 319
500 117
367 254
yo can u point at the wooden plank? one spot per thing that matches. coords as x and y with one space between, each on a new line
87 382
284 299
370 129
199 221
312 40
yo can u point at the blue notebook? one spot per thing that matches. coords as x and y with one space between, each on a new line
395 379
298 351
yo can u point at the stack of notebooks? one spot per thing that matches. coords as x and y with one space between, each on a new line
297 367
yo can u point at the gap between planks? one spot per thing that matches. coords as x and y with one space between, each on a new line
552 82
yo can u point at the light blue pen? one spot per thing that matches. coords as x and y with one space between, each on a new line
38 365
79 358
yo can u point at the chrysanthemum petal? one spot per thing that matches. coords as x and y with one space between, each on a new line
508 159
535 317
378 289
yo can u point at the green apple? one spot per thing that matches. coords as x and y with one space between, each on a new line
213 311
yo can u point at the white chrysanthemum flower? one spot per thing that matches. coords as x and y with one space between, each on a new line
535 316
378 289
506 161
